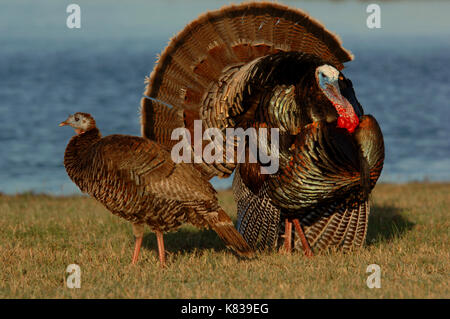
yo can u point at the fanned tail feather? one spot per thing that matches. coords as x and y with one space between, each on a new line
200 56
161 120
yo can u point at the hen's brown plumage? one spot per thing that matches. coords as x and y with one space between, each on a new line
136 179
256 65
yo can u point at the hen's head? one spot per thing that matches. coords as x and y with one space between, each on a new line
81 122
339 91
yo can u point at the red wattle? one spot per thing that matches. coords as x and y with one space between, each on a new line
348 123
346 120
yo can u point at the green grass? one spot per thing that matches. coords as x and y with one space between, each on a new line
41 235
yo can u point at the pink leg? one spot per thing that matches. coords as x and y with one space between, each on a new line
138 231
137 248
287 236
305 244
162 253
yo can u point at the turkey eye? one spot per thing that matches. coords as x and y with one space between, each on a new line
341 78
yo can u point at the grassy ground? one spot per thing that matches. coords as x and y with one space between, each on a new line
41 235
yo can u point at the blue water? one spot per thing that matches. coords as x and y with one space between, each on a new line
401 75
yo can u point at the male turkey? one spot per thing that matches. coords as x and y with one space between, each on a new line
136 179
268 65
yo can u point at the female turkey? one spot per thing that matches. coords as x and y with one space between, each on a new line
136 179
268 65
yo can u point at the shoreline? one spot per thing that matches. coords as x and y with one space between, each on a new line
219 190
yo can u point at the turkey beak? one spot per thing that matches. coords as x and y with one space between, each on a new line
67 121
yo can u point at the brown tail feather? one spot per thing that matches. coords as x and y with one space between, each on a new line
224 227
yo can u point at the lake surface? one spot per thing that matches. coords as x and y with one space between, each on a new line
400 73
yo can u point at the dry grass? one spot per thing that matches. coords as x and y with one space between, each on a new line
41 235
